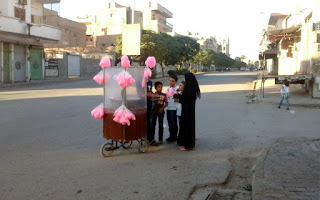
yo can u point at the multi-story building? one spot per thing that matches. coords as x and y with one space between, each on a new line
109 21
22 37
73 34
291 46
223 45
155 18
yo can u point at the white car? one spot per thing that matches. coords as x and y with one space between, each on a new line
242 69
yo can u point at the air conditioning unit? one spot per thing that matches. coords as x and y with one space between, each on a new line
23 2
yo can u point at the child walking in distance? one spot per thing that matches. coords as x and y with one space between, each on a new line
172 111
159 104
285 94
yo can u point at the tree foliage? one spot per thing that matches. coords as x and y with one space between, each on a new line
177 50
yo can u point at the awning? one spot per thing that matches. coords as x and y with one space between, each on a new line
284 31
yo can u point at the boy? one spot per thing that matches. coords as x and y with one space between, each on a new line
172 111
159 104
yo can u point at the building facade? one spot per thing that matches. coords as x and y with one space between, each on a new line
73 34
109 21
291 45
22 39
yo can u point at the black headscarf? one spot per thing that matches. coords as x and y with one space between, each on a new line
191 90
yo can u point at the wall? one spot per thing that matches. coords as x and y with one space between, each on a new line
36 8
4 8
73 34
89 67
106 40
14 3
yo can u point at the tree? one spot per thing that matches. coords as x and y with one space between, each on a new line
166 49
187 48
243 57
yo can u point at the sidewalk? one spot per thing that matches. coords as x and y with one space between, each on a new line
41 82
288 169
298 96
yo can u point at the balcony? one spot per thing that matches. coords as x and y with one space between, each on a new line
20 29
164 22
160 26
161 10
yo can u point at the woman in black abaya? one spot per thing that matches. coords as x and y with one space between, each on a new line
191 92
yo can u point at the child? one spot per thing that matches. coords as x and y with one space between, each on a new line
177 96
172 111
285 93
159 104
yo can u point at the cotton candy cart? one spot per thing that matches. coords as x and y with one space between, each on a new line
124 108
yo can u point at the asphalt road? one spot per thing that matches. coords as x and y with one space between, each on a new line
49 143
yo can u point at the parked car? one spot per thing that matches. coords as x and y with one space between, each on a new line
242 69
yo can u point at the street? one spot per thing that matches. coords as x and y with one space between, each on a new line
49 143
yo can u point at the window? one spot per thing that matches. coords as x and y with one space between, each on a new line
109 5
111 15
20 13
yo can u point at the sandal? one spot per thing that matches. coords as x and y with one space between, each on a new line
182 148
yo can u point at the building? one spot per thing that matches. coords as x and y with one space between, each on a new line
290 48
73 34
155 18
208 43
223 45
22 38
108 21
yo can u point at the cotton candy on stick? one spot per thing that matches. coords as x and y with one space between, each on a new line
123 116
99 78
104 63
98 112
125 62
170 92
125 79
147 72
151 62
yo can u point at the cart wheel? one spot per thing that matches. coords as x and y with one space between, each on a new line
106 149
143 145
126 145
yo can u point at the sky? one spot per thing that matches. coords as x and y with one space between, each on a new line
241 21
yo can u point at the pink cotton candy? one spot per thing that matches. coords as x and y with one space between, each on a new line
99 78
125 79
170 92
151 62
116 119
123 116
104 63
98 112
106 77
147 72
123 119
125 62
143 83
